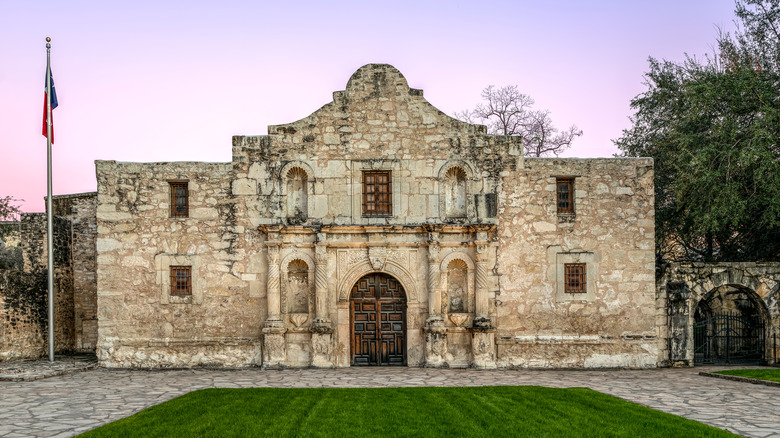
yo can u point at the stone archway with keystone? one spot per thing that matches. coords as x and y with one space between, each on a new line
684 287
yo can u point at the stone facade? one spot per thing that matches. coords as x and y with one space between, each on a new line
279 240
23 288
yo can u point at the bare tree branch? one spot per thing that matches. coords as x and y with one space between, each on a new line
507 111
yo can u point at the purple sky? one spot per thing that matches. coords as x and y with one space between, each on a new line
174 80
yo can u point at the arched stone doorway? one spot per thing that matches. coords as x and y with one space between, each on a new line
730 327
377 307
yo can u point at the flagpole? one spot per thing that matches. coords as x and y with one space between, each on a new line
49 227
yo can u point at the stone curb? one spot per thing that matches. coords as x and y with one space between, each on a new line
37 375
740 379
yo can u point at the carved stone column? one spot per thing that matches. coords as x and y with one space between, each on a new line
322 332
434 281
321 285
274 293
274 351
482 319
483 333
435 332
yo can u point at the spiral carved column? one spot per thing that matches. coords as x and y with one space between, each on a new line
481 293
434 291
274 344
321 285
274 286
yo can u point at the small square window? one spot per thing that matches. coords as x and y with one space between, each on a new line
180 199
181 280
377 193
565 195
574 278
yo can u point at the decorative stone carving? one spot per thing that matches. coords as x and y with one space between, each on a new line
459 318
298 319
484 350
377 255
321 350
435 348
274 352
356 257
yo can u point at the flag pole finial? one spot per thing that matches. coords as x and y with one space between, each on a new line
48 40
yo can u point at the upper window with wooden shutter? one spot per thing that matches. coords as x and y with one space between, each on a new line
565 195
180 199
377 193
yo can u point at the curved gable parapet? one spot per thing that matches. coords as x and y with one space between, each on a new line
378 80
383 88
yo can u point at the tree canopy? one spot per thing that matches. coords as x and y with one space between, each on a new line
507 111
712 124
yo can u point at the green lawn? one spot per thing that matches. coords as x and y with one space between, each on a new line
500 411
762 374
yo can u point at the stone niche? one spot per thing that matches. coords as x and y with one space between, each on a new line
297 305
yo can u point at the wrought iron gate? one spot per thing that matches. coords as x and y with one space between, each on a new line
728 338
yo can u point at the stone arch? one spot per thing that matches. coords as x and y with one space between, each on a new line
747 299
690 286
391 268
296 254
459 255
466 167
302 165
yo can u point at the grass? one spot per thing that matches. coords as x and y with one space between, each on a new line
760 374
499 411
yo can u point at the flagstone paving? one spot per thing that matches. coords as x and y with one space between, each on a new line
66 405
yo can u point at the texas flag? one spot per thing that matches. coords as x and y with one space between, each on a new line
53 105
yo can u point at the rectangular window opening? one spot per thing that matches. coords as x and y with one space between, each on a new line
181 280
180 199
574 278
565 195
377 193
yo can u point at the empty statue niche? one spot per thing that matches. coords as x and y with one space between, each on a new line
297 196
298 287
457 286
455 193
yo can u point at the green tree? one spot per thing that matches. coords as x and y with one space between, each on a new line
712 125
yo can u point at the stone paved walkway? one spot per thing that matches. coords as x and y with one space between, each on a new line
66 405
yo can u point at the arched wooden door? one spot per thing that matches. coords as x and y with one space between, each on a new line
377 319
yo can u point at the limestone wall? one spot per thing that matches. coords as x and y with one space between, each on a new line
23 293
614 323
140 324
80 209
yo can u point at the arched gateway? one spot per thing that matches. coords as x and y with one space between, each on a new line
377 307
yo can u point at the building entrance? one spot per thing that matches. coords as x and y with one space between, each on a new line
378 321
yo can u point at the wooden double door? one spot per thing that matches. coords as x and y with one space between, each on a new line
377 307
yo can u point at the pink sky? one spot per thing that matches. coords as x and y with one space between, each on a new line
174 80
